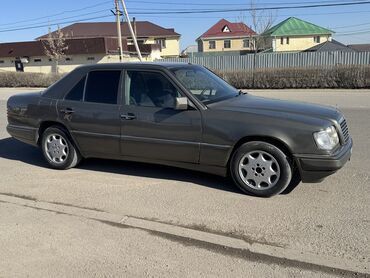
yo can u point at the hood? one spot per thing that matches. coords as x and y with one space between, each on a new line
253 104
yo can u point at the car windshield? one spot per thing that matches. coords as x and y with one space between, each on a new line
204 84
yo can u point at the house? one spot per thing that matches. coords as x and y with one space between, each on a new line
189 51
30 56
330 46
91 42
294 34
360 47
147 33
226 36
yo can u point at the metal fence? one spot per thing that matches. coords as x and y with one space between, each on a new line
277 60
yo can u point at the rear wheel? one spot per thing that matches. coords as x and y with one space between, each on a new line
58 149
261 169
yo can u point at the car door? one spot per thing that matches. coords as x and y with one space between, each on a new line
151 127
91 112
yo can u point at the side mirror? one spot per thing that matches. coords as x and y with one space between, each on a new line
181 103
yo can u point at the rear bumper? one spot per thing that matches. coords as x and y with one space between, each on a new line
315 168
25 134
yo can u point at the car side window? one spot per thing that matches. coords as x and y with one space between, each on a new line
102 86
150 89
77 92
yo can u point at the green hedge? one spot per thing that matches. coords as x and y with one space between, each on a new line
26 79
348 77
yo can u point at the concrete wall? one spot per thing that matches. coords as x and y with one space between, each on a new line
236 44
296 43
46 66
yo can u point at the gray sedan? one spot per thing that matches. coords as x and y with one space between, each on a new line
185 116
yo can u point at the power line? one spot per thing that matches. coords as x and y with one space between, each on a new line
349 26
354 33
139 11
54 24
331 3
57 14
185 16
200 11
280 15
57 19
194 11
240 4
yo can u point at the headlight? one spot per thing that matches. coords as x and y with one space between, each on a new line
327 139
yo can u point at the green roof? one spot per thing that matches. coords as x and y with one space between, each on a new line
296 27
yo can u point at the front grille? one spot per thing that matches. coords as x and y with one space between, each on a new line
345 131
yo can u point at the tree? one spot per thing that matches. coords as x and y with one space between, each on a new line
55 47
260 21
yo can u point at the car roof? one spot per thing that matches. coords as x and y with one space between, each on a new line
57 90
142 65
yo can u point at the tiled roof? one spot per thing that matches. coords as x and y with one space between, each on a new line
238 29
75 47
296 27
360 47
330 46
109 29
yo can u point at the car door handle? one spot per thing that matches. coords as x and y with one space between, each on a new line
128 116
67 111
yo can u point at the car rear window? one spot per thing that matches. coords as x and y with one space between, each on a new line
102 86
77 91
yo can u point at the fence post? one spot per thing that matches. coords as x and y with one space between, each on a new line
254 68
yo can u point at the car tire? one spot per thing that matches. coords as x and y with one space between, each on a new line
296 180
261 169
58 149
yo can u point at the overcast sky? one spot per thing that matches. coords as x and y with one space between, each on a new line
351 23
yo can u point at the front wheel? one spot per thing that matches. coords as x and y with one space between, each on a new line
58 149
261 169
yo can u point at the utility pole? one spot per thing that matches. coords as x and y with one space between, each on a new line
119 30
131 31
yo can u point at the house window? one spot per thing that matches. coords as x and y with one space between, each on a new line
2 62
316 39
226 29
68 59
281 41
227 44
287 40
212 44
161 42
50 60
200 46
246 43
139 41
90 58
38 60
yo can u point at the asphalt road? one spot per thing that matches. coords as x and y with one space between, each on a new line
111 218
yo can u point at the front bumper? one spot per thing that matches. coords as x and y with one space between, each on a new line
314 168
